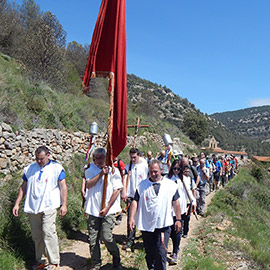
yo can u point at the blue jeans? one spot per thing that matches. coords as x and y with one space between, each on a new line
176 237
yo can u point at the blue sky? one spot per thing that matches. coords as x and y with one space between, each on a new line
215 53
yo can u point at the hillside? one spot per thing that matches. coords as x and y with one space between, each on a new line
160 102
156 100
29 104
42 88
252 122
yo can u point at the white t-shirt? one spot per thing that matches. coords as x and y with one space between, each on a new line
138 173
42 192
155 211
94 194
182 192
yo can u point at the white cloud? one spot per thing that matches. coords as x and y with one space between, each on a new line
259 102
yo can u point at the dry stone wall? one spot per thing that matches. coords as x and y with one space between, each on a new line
18 149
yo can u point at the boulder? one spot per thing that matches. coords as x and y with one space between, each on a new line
3 163
9 153
8 145
8 135
6 127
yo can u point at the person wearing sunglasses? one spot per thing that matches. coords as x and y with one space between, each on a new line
182 180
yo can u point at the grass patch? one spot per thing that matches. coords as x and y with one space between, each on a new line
246 200
197 258
203 263
16 245
10 260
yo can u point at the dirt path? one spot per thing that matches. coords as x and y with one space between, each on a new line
75 252
193 224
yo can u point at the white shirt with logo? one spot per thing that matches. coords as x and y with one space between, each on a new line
42 192
155 211
94 194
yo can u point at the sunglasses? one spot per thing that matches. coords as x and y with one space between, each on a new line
176 169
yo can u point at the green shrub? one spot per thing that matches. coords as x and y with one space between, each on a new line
247 202
257 173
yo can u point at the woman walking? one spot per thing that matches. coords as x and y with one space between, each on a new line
176 174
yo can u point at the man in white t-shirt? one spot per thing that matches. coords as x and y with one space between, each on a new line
44 188
102 221
136 172
151 211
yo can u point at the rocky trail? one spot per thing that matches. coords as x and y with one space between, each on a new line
75 252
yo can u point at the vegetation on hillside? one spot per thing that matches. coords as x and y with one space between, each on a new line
237 225
15 234
53 98
230 140
253 122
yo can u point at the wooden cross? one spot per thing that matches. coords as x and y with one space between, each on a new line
136 130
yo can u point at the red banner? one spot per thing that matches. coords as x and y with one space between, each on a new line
107 58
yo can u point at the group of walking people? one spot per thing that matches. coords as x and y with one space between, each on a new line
159 194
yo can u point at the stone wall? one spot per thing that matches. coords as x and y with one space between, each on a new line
18 149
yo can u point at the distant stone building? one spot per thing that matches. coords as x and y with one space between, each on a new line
210 142
211 146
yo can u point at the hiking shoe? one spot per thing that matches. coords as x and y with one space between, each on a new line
38 266
127 247
173 259
52 267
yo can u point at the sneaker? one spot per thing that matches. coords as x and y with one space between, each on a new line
38 266
184 235
173 259
52 267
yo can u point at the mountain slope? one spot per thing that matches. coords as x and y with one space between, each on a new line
251 122
26 104
160 102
